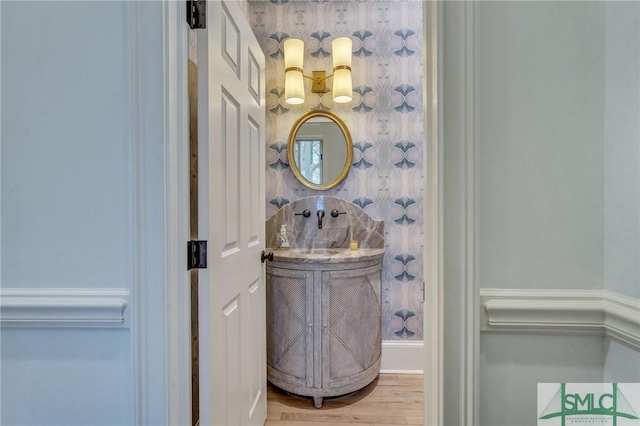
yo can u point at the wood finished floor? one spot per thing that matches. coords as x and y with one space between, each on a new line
391 399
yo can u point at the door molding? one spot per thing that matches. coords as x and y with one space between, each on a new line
161 342
471 325
177 215
170 399
433 308
459 214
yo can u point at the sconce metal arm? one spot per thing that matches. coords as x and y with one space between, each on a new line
320 75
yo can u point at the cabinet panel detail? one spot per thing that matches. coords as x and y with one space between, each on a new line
288 317
354 323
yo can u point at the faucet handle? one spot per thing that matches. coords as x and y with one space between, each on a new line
305 213
320 214
336 213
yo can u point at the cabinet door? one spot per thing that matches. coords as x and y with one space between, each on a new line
351 314
289 325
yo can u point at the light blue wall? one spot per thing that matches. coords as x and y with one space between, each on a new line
621 363
511 366
559 116
541 187
66 377
384 118
541 99
622 148
622 172
67 205
66 156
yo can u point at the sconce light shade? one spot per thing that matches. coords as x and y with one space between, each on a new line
341 51
342 90
293 65
294 88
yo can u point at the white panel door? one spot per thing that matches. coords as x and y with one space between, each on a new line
231 217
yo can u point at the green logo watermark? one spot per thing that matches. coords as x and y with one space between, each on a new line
588 403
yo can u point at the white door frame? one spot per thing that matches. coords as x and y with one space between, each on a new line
451 187
458 34
177 327
433 312
161 325
161 329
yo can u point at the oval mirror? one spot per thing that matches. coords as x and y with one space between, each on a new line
320 150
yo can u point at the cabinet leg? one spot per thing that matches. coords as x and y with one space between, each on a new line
317 401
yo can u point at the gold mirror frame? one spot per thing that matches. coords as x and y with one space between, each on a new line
290 147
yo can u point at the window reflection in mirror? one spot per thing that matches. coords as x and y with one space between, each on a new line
308 154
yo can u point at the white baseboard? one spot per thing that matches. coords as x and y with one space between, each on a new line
63 307
400 357
562 311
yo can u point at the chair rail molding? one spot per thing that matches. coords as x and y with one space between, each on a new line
562 311
64 307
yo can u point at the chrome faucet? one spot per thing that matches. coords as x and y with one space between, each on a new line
320 214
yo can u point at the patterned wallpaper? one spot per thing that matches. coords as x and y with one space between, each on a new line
385 120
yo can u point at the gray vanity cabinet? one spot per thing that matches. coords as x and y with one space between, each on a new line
323 326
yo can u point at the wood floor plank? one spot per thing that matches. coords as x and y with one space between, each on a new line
298 423
392 399
338 419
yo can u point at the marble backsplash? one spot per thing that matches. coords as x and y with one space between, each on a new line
336 232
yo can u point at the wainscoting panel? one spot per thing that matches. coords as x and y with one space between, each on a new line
64 307
561 311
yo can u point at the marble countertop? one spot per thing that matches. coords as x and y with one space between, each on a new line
330 255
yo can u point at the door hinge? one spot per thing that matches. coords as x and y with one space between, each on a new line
197 14
423 295
196 254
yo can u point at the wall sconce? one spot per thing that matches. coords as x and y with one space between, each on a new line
294 74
